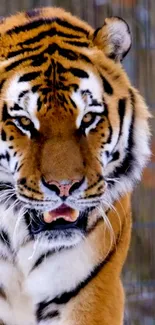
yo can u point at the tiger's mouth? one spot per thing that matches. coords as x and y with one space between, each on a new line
64 212
62 218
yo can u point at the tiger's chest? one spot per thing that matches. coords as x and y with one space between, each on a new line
38 284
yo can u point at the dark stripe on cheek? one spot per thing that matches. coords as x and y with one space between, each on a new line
3 135
72 102
107 87
30 76
39 104
5 115
127 164
109 127
121 112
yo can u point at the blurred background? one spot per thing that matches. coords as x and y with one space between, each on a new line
139 271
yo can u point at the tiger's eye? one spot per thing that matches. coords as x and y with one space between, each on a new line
87 118
25 121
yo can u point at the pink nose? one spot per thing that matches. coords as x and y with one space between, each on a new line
65 187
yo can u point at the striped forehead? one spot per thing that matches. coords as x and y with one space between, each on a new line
89 96
21 100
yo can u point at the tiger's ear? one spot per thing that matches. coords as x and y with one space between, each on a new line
113 38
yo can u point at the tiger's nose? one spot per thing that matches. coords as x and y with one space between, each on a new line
63 188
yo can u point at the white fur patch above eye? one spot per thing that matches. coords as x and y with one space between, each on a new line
14 89
88 98
20 93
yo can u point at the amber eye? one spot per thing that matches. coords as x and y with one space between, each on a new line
88 119
24 122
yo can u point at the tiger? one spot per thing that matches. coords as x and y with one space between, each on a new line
74 139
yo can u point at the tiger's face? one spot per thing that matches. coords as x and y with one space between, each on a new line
74 133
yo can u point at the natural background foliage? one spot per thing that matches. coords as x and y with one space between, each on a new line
139 272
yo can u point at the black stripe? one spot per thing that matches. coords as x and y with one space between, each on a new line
50 33
4 238
107 87
121 112
95 103
115 156
41 312
39 60
42 258
109 127
127 164
5 156
66 24
29 26
30 76
72 102
39 104
67 53
3 135
79 73
78 43
16 107
5 115
19 168
35 58
67 296
100 178
44 22
21 51
35 88
22 94
48 72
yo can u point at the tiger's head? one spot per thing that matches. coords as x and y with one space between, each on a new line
73 131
